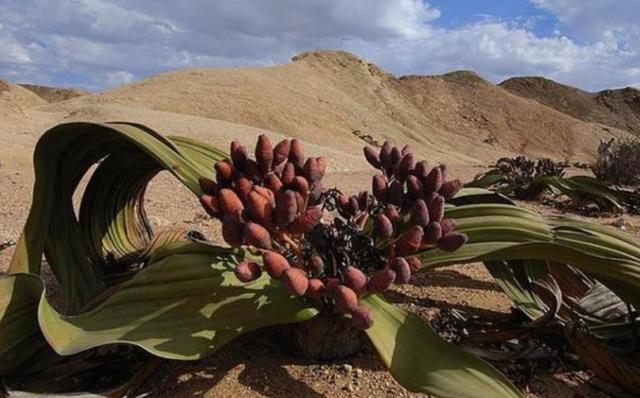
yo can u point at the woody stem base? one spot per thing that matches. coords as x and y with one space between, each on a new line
328 336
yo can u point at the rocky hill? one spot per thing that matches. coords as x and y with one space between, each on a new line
14 100
53 94
324 96
619 108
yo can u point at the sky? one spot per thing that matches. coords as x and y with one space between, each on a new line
100 44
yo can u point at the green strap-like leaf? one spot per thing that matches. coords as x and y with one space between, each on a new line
22 346
423 362
576 187
186 304
204 155
112 212
113 221
500 232
513 278
486 180
508 234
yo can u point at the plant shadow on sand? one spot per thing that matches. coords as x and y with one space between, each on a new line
449 277
259 362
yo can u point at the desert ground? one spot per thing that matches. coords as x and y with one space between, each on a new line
327 99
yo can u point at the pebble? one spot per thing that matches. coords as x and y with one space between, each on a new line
621 223
359 372
348 368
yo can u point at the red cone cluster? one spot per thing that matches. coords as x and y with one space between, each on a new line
273 195
412 199
275 204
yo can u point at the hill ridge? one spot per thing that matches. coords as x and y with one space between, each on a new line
617 108
53 94
322 97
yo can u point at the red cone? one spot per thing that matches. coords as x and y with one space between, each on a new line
382 227
379 188
288 174
225 172
410 241
286 208
436 209
433 181
281 152
307 220
372 157
230 203
295 281
264 153
256 235
449 189
274 263
272 182
402 269
210 205
346 299
232 230
238 155
315 289
296 153
381 280
362 318
355 279
247 271
432 233
208 186
419 213
452 241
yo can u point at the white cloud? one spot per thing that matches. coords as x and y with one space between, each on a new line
599 20
499 50
101 43
118 78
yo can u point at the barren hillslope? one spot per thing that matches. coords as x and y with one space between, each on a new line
18 124
323 96
53 94
619 108
14 100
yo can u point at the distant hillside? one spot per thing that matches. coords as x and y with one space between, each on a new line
53 94
619 108
323 96
14 100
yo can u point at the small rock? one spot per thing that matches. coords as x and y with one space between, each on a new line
359 372
156 221
621 222
348 368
